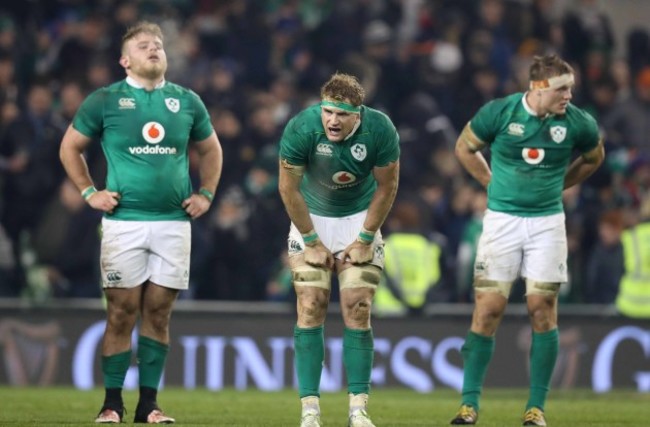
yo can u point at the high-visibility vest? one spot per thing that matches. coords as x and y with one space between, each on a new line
633 298
413 263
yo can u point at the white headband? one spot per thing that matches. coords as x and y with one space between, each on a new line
553 82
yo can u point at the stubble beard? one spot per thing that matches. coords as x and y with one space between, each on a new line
152 71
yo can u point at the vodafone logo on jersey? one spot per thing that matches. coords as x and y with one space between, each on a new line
533 156
343 177
153 132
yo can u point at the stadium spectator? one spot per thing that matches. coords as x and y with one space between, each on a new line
226 274
416 264
483 87
10 162
9 90
468 246
628 123
235 149
339 166
524 226
86 38
280 286
31 182
436 47
147 204
587 30
7 265
260 185
423 130
634 289
66 244
605 264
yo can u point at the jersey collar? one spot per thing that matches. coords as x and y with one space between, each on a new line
134 83
354 129
529 109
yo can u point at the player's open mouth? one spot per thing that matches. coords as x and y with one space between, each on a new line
334 131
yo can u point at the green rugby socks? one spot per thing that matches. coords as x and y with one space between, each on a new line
477 352
114 369
309 348
151 361
543 354
358 354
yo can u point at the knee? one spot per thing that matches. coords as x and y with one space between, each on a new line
487 314
542 318
312 308
357 312
486 318
122 318
542 304
157 318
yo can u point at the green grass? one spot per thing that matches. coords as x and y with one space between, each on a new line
66 406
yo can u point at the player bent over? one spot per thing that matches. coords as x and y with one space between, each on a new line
339 165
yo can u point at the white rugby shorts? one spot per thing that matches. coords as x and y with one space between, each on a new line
336 234
133 252
534 248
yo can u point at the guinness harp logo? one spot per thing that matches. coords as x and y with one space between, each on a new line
30 352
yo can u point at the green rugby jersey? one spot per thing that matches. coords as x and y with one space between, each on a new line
338 178
529 154
144 136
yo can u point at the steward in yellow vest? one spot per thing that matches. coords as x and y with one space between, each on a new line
633 298
414 266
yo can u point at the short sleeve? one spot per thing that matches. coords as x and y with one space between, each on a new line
589 133
485 123
202 127
89 119
388 150
293 145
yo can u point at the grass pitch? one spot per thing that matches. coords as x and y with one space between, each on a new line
398 407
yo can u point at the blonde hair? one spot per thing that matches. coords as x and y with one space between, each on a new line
145 27
544 67
343 88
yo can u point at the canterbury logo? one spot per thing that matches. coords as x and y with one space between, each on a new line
324 150
126 103
516 129
113 276
294 246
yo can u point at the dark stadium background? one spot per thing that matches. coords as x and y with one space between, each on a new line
429 64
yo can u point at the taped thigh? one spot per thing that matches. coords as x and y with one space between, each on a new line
360 276
494 286
534 287
306 275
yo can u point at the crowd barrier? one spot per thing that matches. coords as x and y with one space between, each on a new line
249 346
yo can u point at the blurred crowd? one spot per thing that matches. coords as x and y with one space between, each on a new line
429 64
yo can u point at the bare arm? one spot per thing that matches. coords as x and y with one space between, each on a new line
290 176
468 152
73 145
360 251
210 165
289 185
210 162
584 166
71 154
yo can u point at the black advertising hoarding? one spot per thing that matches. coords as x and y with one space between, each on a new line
244 350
